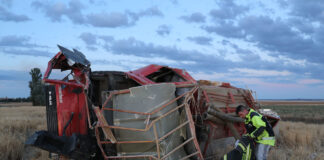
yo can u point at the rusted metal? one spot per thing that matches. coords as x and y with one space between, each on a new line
126 157
206 96
99 144
124 142
190 155
192 129
157 141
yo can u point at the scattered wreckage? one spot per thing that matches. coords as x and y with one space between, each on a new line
155 112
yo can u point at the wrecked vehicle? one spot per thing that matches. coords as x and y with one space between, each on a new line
155 112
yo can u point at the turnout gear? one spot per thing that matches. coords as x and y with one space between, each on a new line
259 128
244 150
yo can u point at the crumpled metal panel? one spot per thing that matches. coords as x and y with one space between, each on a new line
74 56
146 99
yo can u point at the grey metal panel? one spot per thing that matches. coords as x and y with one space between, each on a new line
146 99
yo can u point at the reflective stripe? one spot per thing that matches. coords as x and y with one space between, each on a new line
247 155
268 138
225 157
243 148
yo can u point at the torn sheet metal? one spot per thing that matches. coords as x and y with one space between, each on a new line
74 56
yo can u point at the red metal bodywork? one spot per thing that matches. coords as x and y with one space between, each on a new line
140 75
70 98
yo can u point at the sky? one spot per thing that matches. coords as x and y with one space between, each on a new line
274 48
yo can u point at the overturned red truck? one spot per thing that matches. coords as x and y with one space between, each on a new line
155 112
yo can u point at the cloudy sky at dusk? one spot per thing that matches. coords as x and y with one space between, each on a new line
274 48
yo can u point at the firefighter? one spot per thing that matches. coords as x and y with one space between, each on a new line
243 150
259 129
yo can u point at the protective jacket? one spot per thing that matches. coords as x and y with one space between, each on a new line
244 150
259 128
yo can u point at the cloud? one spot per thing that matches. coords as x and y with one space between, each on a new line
73 11
192 59
245 54
89 38
163 30
109 20
28 52
310 10
265 84
201 40
152 11
20 45
275 35
260 72
131 46
214 76
310 81
279 70
279 37
13 40
55 11
5 15
18 41
194 18
118 19
228 10
226 29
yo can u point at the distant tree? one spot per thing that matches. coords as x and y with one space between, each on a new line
37 95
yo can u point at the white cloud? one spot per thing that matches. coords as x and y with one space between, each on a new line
295 62
209 76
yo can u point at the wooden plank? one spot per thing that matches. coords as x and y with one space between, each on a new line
107 131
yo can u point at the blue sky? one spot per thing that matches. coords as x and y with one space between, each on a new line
272 47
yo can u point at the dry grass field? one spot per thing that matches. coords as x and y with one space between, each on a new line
296 141
16 124
299 141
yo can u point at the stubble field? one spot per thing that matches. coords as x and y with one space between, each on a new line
298 111
301 130
17 122
297 140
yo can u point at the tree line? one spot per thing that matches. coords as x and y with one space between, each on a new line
19 99
37 93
